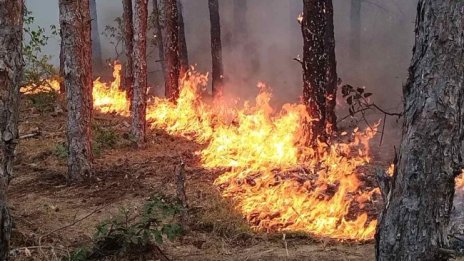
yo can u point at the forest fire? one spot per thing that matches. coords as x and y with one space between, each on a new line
276 182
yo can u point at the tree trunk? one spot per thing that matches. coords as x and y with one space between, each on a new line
129 46
216 48
355 31
139 94
171 55
96 45
75 25
159 35
183 53
11 68
414 223
319 67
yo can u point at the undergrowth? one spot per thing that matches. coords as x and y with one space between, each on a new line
132 232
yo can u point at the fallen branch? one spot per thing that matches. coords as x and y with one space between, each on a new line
30 135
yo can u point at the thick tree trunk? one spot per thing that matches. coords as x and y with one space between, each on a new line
319 66
159 35
355 31
139 94
171 55
129 45
11 68
183 53
216 48
414 223
96 45
75 27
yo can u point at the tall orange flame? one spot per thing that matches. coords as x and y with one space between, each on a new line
275 180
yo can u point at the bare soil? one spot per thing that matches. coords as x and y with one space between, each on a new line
52 218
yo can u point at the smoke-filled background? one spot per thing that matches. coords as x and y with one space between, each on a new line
262 38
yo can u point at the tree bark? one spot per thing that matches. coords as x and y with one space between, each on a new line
129 45
11 68
355 31
159 35
139 95
319 67
75 25
96 45
414 223
216 49
183 52
171 55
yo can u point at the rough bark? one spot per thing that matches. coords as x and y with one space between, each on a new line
128 45
414 223
319 66
159 35
139 94
183 53
75 25
11 68
96 45
355 34
216 48
171 49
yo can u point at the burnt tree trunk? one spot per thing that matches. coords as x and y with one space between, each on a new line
183 53
414 223
216 48
139 92
171 55
319 67
159 35
355 35
11 68
128 45
75 25
96 45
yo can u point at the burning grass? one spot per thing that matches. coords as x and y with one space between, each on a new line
272 177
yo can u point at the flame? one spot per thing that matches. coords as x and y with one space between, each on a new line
275 180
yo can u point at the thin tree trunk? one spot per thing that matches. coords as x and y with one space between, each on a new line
183 53
216 48
159 35
139 95
11 68
414 223
319 67
96 45
355 31
129 46
171 55
76 31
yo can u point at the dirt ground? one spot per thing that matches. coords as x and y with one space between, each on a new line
52 218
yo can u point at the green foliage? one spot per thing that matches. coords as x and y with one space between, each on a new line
132 232
37 66
43 101
115 36
61 151
356 98
106 138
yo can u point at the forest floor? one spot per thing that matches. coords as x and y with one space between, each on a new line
53 219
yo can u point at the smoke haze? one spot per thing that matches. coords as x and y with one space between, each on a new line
273 38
